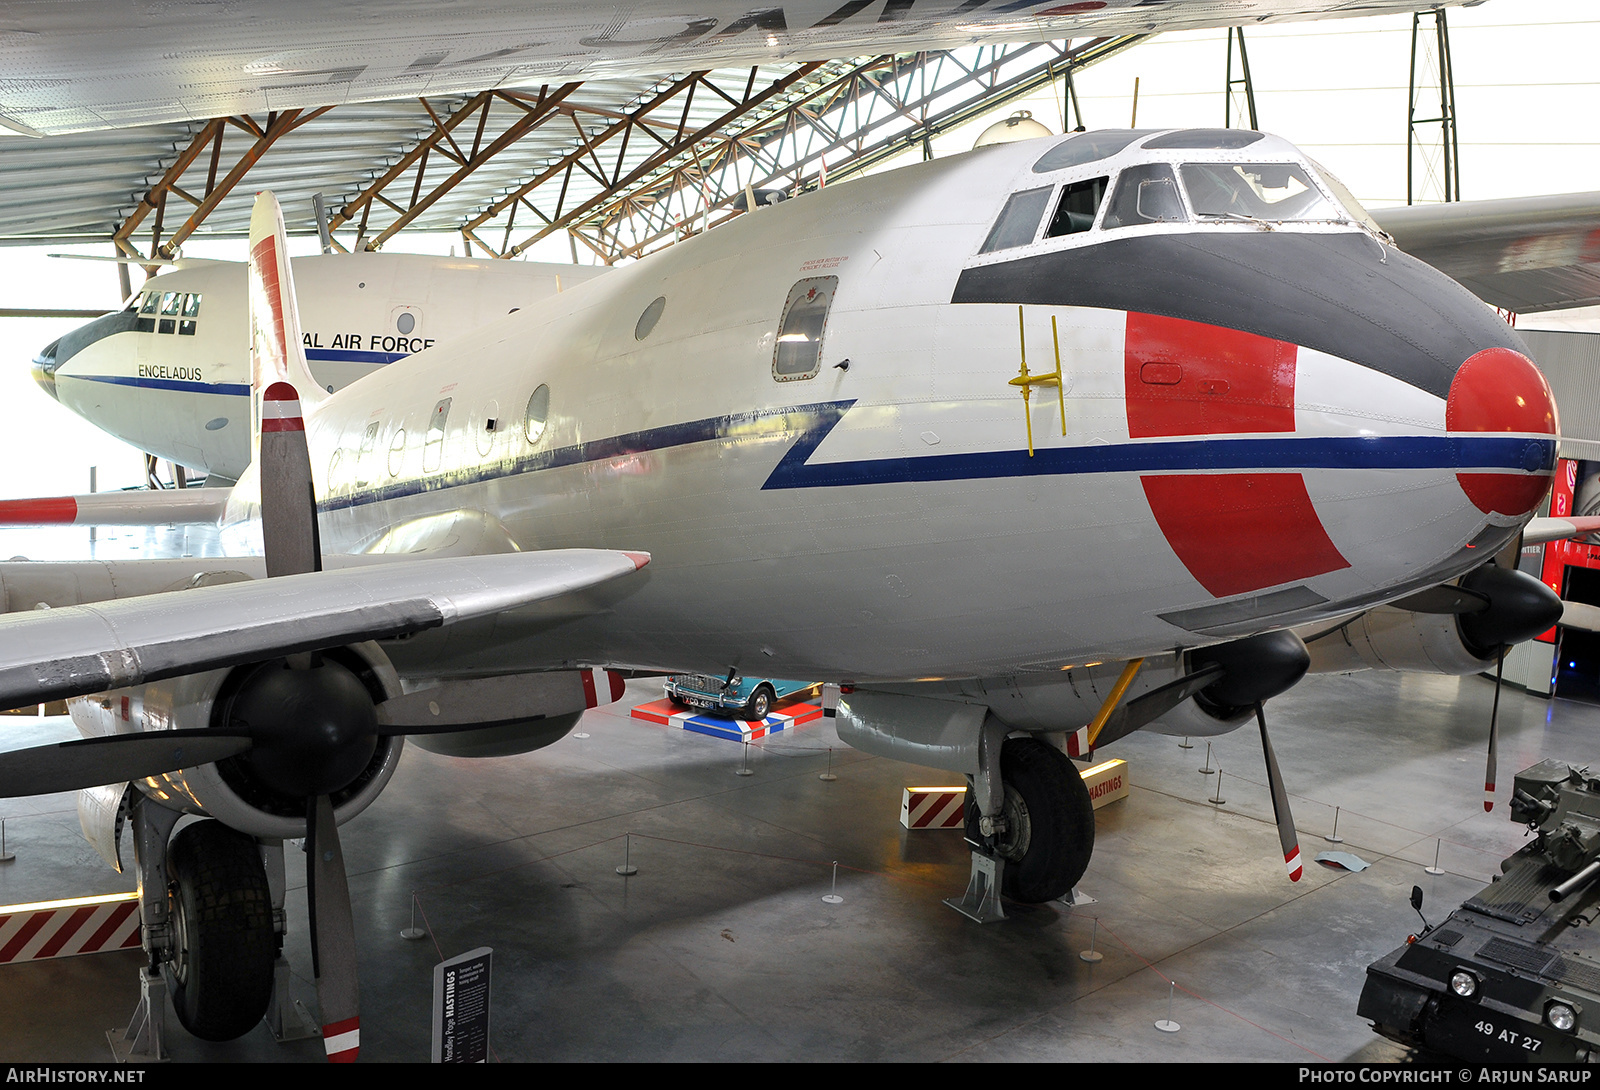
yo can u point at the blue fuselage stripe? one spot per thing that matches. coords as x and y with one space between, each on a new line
348 355
187 386
235 389
1485 453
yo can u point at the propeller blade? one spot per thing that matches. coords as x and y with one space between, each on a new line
1494 733
288 501
1581 616
1287 837
333 934
90 762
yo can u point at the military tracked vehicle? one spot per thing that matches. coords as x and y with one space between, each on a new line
1514 973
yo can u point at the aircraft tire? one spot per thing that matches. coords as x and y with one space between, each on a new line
221 972
1049 822
761 702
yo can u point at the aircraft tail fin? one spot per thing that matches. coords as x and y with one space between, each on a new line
277 353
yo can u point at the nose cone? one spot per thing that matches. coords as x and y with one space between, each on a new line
1499 390
44 368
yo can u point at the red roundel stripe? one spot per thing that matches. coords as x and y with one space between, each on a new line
1235 532
1238 532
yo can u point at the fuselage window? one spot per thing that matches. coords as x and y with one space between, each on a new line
191 311
369 444
1018 222
171 303
1076 210
647 321
1147 193
148 305
433 446
538 413
805 315
397 452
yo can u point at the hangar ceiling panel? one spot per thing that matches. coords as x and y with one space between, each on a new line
625 165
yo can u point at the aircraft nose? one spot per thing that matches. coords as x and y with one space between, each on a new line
1499 391
44 368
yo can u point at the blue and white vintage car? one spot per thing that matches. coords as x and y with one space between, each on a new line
741 697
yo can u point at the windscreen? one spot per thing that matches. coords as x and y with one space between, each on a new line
1263 191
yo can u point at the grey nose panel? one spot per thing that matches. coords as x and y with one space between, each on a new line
106 325
1345 294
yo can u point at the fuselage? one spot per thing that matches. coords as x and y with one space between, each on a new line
170 372
807 418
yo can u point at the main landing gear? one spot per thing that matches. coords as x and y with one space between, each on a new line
211 906
220 972
1031 827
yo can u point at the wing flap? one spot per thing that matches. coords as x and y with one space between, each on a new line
55 653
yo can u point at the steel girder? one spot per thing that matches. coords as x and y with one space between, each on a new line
623 166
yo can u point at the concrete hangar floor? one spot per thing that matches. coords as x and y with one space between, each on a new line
721 948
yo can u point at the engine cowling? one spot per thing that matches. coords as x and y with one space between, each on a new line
236 792
1395 639
1519 607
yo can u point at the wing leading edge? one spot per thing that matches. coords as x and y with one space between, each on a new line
54 653
1523 254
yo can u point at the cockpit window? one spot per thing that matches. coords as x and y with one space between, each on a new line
1076 209
191 311
1223 139
1018 222
171 303
1147 193
1262 191
1087 147
1347 198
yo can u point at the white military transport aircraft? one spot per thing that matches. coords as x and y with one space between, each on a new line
986 433
170 371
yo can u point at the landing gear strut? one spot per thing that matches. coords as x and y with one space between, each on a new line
1037 829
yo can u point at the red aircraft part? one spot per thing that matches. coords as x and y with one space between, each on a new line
1499 390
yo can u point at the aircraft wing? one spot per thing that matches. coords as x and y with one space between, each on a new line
49 654
110 65
1524 254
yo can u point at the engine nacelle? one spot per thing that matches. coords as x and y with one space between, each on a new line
1395 639
1511 606
1190 720
227 790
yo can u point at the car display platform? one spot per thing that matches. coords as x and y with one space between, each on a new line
668 713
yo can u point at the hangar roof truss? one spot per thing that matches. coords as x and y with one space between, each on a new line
625 166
